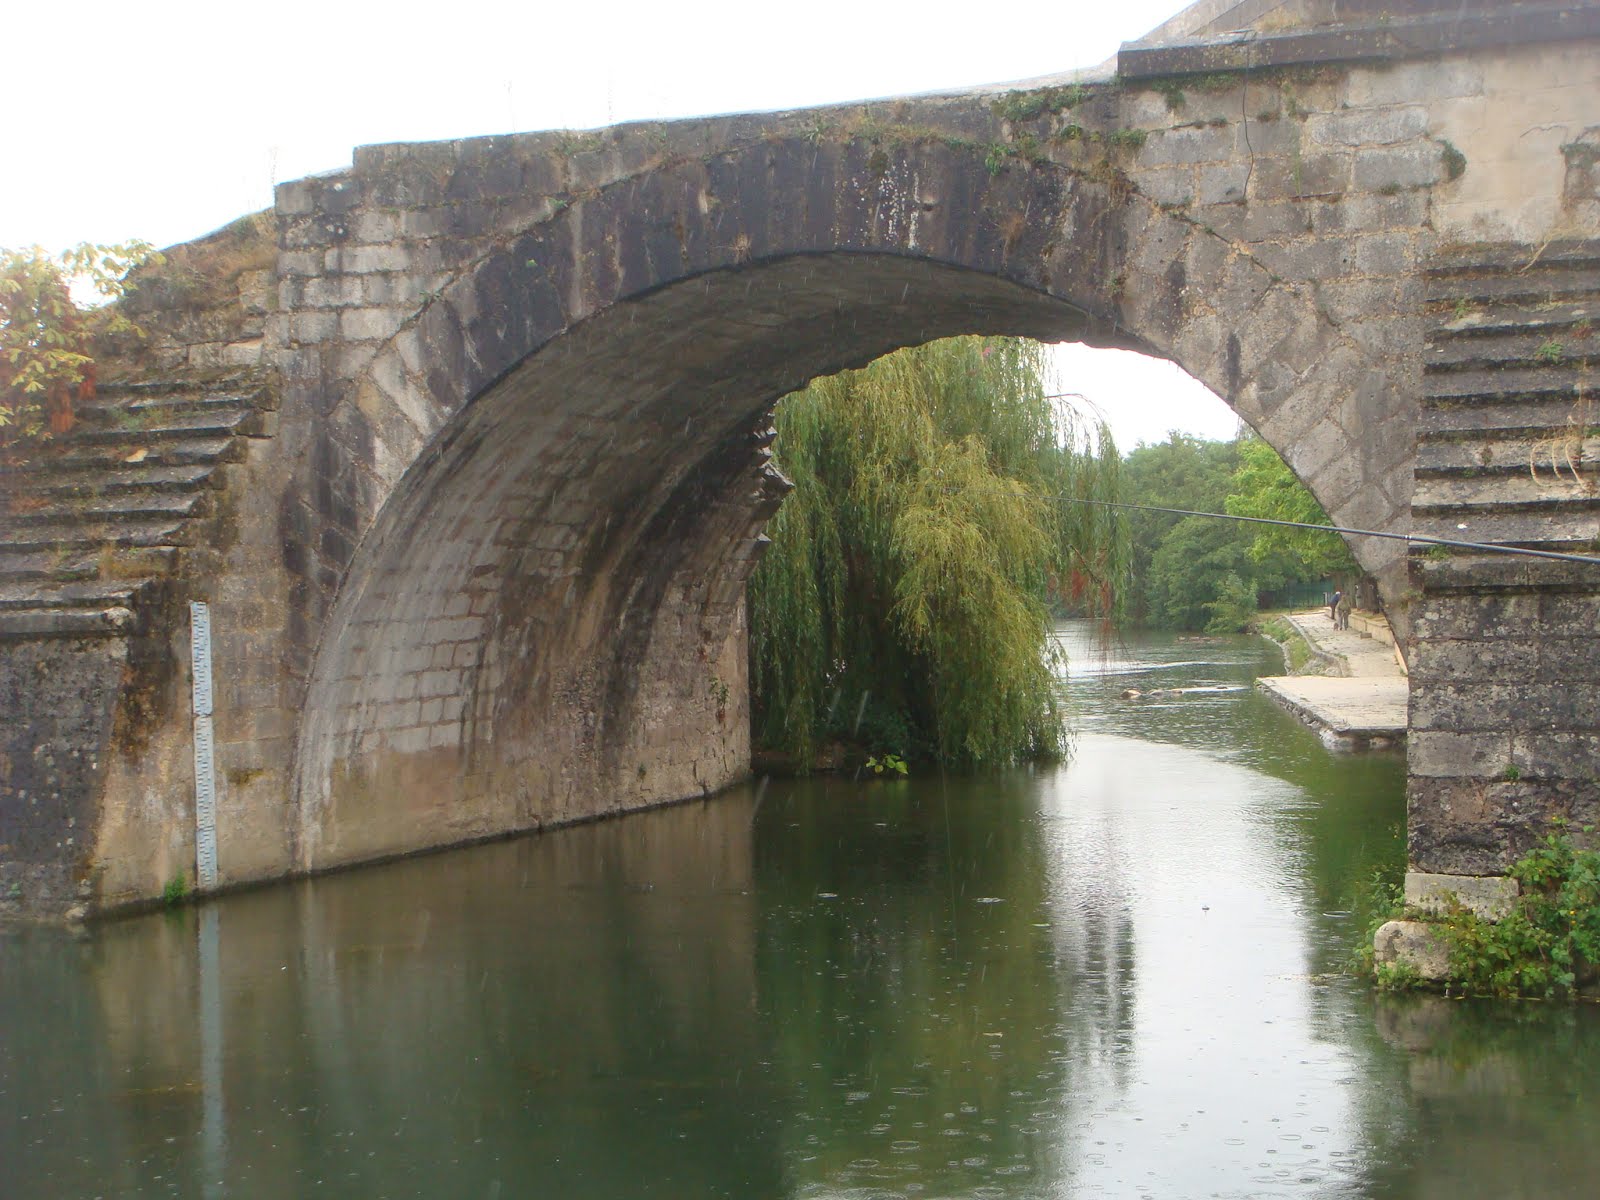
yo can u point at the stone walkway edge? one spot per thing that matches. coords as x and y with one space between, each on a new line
1362 709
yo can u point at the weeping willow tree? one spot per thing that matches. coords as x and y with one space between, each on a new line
905 603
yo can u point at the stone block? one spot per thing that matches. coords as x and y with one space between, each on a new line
1385 254
1170 185
1558 754
300 262
296 199
1267 222
1310 454
242 353
1223 184
1415 944
392 257
1368 127
1474 616
1445 754
331 291
1257 137
1419 165
439 683
370 324
376 225
1477 660
409 741
1280 176
1220 220
1372 211
1188 145
1402 83
302 364
1489 896
424 222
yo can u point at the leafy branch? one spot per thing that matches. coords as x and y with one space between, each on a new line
47 338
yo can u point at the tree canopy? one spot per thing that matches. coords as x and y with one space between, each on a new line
47 339
1205 573
904 602
1263 486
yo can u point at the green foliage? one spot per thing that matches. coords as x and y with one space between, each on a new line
1206 573
1455 162
1234 606
1263 486
903 603
1025 106
1189 569
1378 898
891 763
1129 138
1396 977
1549 938
47 340
176 891
1551 353
1172 91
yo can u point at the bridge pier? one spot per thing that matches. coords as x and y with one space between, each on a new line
1505 712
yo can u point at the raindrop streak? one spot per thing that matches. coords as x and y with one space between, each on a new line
761 794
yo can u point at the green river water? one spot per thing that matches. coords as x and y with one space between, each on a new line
1122 977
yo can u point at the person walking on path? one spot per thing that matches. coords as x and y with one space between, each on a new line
1333 608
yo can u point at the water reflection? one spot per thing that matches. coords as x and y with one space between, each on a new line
1110 979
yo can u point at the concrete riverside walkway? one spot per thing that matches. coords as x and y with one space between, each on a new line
1361 703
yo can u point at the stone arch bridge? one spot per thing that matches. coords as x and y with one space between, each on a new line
464 448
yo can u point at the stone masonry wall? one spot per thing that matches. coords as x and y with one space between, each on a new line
53 757
486 573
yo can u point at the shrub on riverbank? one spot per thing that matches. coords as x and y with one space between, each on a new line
904 602
1546 947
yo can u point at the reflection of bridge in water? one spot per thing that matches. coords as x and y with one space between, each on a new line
476 533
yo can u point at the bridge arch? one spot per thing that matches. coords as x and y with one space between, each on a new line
541 618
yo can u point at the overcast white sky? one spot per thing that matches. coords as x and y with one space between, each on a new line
164 119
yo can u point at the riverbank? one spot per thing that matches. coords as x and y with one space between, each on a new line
1357 698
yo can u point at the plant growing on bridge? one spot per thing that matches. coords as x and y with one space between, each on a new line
1545 947
47 339
1549 940
903 604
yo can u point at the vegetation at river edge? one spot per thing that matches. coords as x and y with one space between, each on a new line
905 602
47 339
1204 573
1545 947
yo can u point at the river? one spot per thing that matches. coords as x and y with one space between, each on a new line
1121 977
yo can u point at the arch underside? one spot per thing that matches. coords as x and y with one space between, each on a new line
544 622
547 622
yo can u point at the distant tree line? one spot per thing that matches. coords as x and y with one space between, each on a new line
1203 573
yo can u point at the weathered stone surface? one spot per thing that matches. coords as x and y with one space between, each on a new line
52 765
1489 896
1414 944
